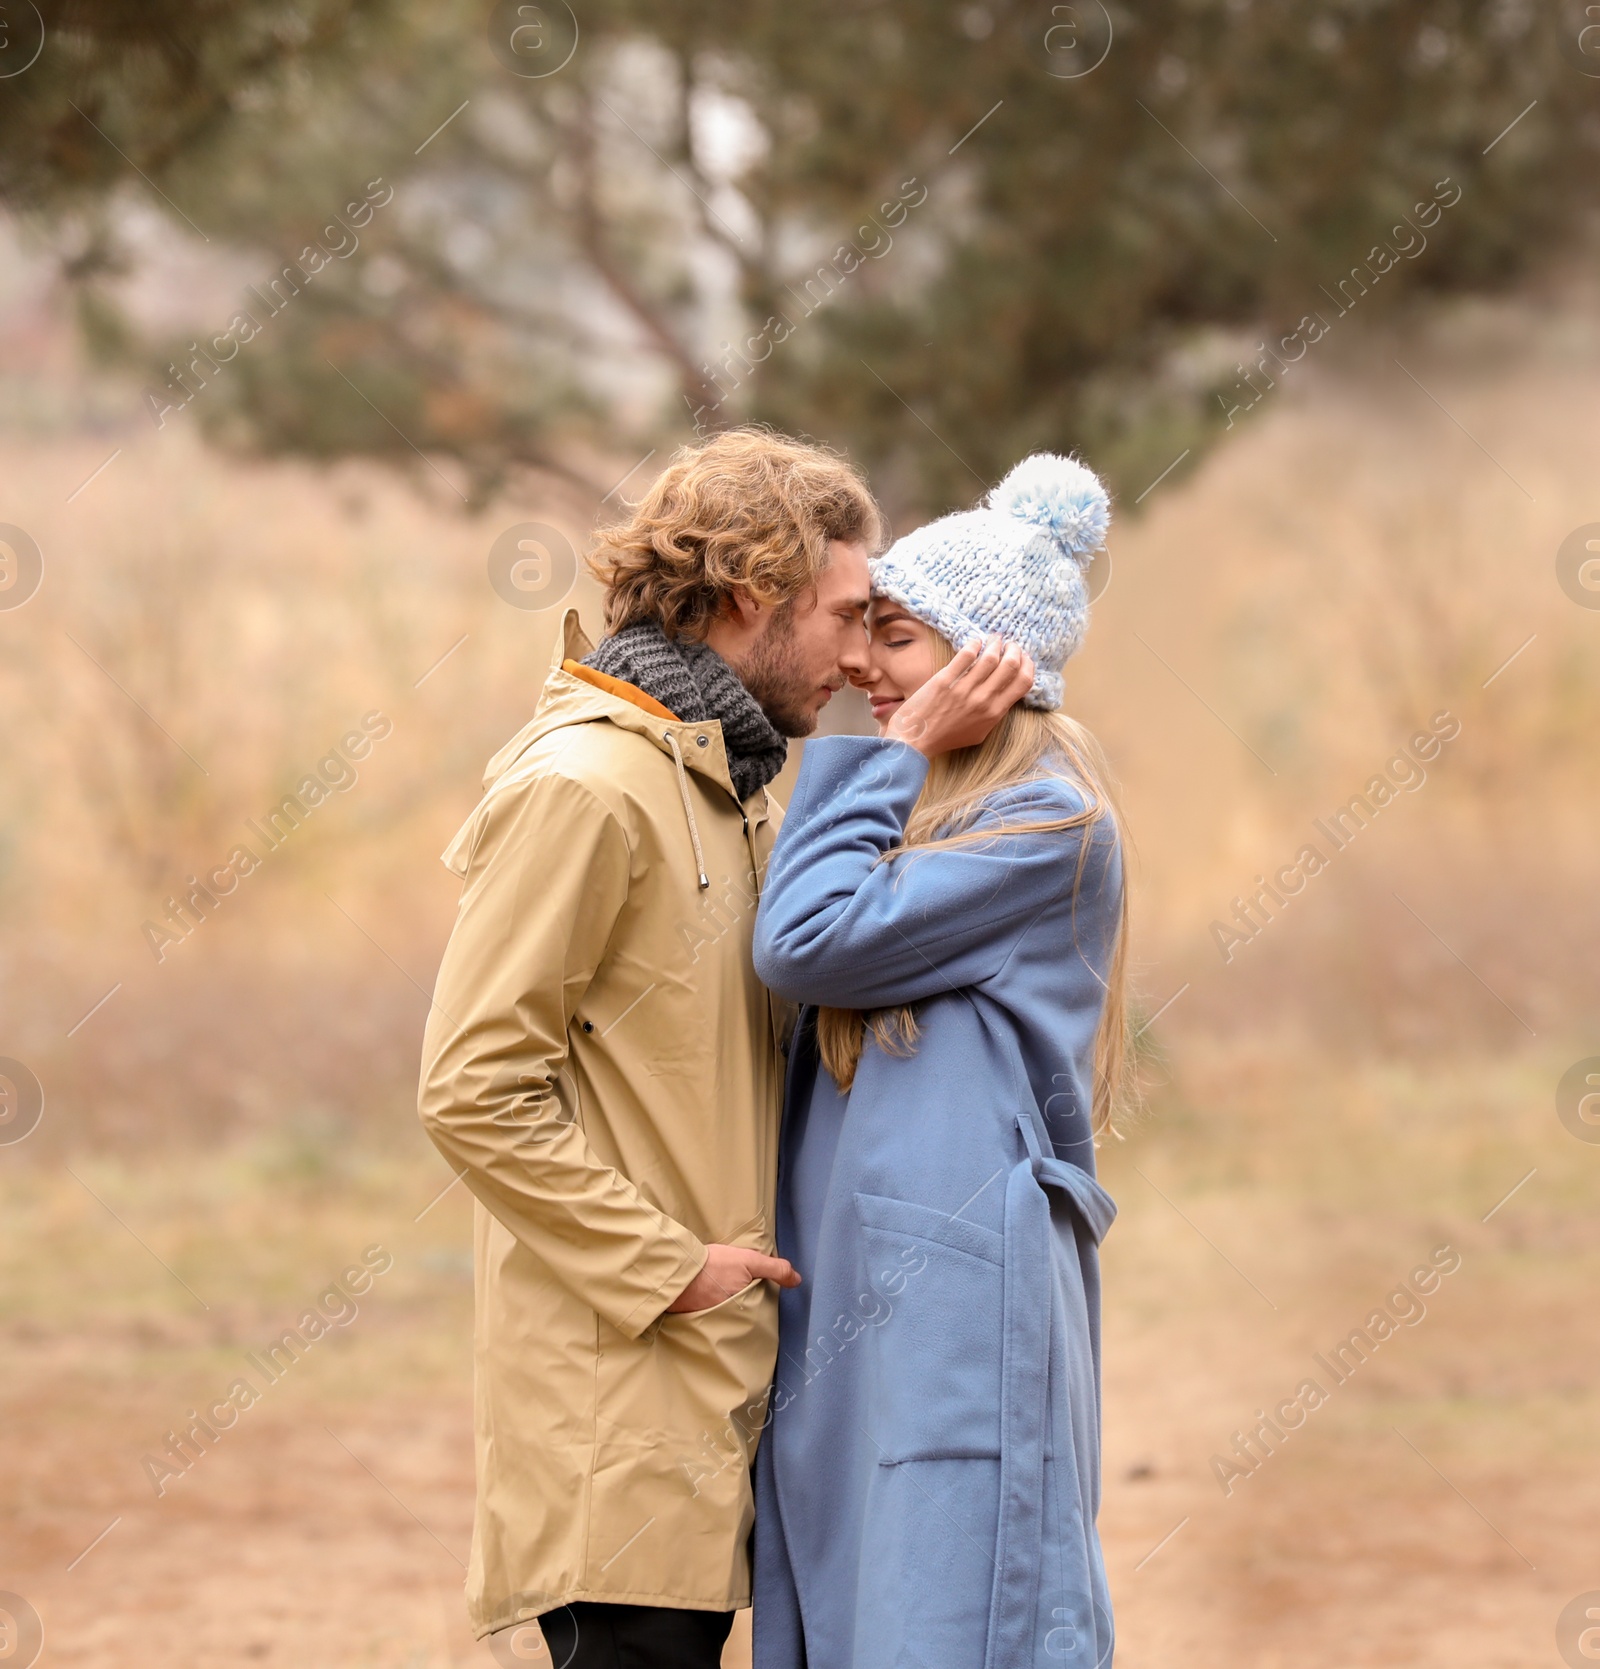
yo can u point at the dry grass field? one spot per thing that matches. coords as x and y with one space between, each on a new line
1437 1509
1370 1077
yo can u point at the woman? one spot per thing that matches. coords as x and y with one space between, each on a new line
946 902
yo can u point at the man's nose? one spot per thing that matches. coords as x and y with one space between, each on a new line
854 657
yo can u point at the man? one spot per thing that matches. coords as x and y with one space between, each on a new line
602 1066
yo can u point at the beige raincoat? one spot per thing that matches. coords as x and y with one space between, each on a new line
603 1067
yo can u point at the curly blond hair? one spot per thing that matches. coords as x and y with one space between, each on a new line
746 509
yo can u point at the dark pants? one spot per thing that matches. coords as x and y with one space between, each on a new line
586 1635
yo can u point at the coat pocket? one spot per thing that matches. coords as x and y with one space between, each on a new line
680 1410
693 1370
734 1299
933 1365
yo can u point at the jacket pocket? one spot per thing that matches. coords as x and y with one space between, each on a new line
679 1412
733 1299
933 1364
690 1370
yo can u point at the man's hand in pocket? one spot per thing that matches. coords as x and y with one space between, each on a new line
726 1270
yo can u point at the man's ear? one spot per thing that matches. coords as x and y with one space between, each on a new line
744 610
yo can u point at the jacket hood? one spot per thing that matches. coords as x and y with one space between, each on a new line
567 701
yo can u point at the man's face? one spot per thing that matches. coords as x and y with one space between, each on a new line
812 644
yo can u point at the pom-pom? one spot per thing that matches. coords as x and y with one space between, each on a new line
1059 496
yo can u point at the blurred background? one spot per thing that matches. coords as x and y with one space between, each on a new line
329 329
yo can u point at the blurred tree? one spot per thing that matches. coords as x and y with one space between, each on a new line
90 89
940 235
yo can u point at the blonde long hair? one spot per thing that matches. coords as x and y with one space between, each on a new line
1019 749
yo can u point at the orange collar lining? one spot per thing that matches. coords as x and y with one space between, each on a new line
618 687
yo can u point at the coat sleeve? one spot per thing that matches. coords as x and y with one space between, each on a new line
546 881
839 926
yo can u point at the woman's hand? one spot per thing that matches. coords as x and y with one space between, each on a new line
962 702
727 1270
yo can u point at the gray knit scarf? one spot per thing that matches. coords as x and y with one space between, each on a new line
693 681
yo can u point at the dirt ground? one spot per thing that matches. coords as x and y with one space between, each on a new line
1436 1509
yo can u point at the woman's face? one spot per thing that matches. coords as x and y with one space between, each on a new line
900 658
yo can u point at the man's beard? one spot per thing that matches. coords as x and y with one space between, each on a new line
773 674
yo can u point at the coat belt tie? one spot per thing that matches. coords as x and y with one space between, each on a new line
1025 1384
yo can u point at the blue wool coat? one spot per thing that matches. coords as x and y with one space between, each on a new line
927 1487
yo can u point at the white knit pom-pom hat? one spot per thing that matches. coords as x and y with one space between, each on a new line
1016 565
